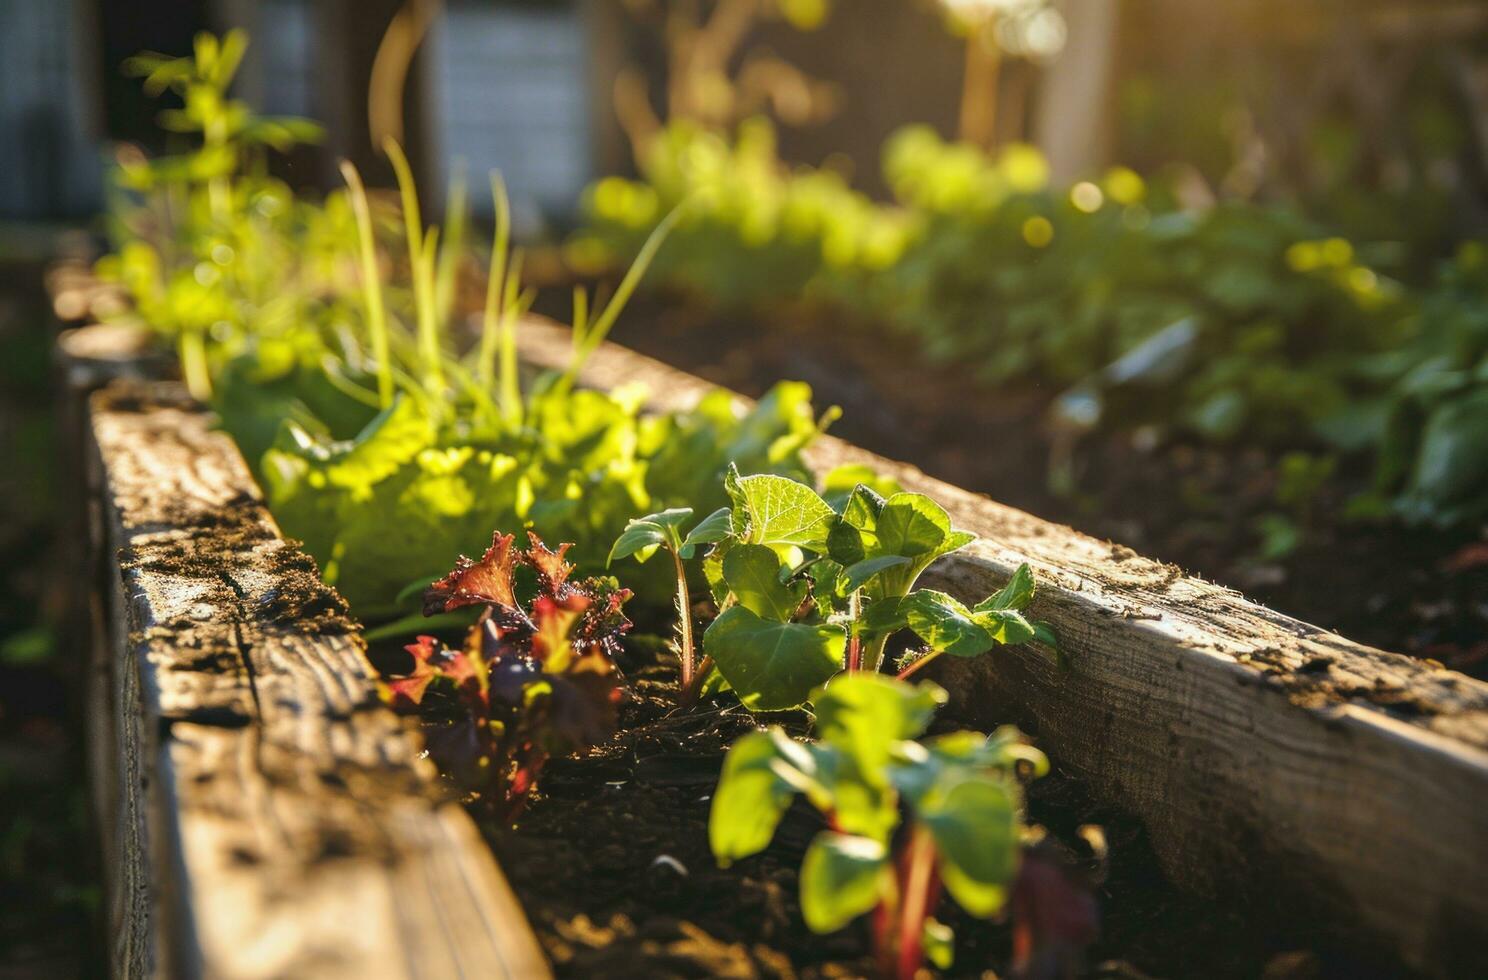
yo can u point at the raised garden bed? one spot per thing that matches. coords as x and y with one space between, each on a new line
261 803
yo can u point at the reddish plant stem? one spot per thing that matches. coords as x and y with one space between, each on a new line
692 691
520 790
883 939
919 888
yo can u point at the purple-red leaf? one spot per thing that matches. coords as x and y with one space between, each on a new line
530 682
488 581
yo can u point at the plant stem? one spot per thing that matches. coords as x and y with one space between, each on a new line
495 281
693 691
907 671
883 938
511 311
874 657
684 619
918 890
854 641
193 354
422 254
371 283
595 333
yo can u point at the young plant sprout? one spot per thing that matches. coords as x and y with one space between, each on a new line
905 819
806 590
533 679
645 535
196 204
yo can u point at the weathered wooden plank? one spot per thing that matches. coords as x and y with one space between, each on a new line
1268 758
274 818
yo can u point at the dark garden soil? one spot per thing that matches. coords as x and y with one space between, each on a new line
611 862
1408 590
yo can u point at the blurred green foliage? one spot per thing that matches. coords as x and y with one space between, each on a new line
1237 322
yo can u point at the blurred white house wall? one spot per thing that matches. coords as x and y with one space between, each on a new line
49 158
508 90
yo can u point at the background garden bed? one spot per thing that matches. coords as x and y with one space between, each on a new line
1201 506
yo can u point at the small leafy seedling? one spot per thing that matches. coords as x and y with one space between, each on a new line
533 679
645 535
905 818
806 590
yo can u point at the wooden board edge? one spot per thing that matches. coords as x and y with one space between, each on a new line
491 919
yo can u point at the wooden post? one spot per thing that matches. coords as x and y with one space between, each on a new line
1073 118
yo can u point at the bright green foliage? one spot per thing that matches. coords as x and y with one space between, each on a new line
958 793
751 229
395 503
806 591
206 243
1435 414
770 663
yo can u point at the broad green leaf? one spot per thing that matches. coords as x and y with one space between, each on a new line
394 437
644 535
921 767
827 585
859 574
1044 633
749 801
854 536
1006 626
865 715
915 527
775 511
772 666
711 529
840 482
911 524
945 624
842 877
1451 465
975 824
1017 594
753 574
713 571
883 615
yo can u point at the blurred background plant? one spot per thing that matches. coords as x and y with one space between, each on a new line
712 77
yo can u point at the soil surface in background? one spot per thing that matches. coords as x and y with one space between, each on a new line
1408 590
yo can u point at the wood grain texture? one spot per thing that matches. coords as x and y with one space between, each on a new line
273 819
1268 758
